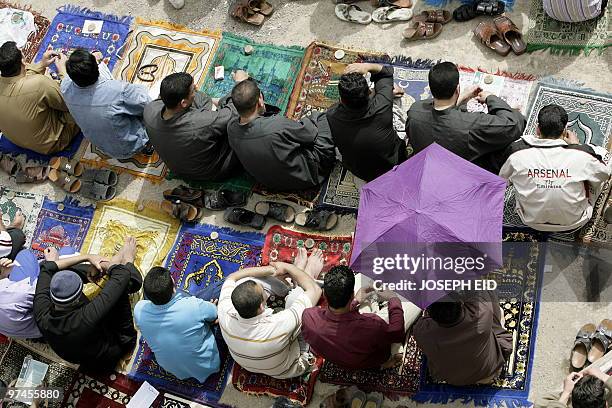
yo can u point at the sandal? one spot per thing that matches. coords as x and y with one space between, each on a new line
98 192
9 164
278 211
65 181
434 16
33 174
183 211
511 34
374 400
72 167
244 217
390 3
422 31
488 35
184 194
241 11
358 399
339 399
467 12
222 199
262 7
582 345
352 14
322 220
107 177
601 340
391 14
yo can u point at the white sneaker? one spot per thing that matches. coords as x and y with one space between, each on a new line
177 4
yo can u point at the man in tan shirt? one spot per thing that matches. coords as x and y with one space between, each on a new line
34 115
586 389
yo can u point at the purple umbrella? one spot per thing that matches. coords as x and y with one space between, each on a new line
434 197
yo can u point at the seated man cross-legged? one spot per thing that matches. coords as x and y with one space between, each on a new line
96 334
590 388
177 327
260 340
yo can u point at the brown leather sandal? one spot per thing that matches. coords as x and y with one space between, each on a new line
422 31
241 10
262 7
487 33
434 16
67 182
511 34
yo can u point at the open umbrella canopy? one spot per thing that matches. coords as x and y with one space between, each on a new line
434 197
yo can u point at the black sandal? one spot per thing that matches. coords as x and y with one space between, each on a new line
582 346
278 211
222 199
468 12
601 340
184 194
244 217
317 220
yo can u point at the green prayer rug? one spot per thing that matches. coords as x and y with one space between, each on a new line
242 182
546 33
275 68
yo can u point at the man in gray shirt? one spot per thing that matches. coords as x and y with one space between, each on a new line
187 134
280 153
477 137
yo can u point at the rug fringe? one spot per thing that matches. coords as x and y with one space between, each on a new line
513 75
401 60
97 15
251 41
177 27
489 401
566 83
569 50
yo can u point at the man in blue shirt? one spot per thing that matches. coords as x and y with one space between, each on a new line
177 328
109 112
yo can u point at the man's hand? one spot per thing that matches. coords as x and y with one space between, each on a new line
568 386
240 75
48 58
97 261
363 293
362 68
596 372
5 263
98 55
469 93
60 63
482 96
570 137
386 295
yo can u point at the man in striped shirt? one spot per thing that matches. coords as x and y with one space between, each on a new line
574 11
12 238
260 340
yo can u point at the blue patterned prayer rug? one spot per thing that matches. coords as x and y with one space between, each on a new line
202 255
519 284
8 147
62 224
78 27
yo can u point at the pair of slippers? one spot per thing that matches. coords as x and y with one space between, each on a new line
315 220
251 11
467 12
388 14
501 35
187 204
72 177
31 173
352 397
591 344
427 25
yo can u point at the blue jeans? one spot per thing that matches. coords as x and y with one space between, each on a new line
210 292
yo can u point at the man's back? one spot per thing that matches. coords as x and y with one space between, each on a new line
193 143
179 334
556 183
33 112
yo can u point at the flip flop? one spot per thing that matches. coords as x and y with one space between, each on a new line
434 16
278 211
422 31
184 194
72 167
601 340
352 14
374 400
488 35
582 345
241 11
104 176
98 192
322 220
244 217
391 14
222 199
183 211
64 180
511 34
390 3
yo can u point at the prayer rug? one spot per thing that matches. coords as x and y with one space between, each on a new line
316 88
79 27
242 182
305 198
390 382
282 244
274 67
59 374
341 191
297 389
157 49
140 165
546 33
8 147
518 285
35 38
30 205
61 224
203 254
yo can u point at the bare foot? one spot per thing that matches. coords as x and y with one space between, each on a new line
315 263
301 258
397 91
129 250
18 220
51 254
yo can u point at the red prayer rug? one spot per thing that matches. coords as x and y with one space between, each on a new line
282 245
297 389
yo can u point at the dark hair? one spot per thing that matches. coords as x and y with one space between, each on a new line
82 67
174 88
245 96
354 90
552 120
446 310
443 80
10 59
338 286
589 393
247 299
158 285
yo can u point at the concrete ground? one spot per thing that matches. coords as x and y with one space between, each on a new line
565 307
